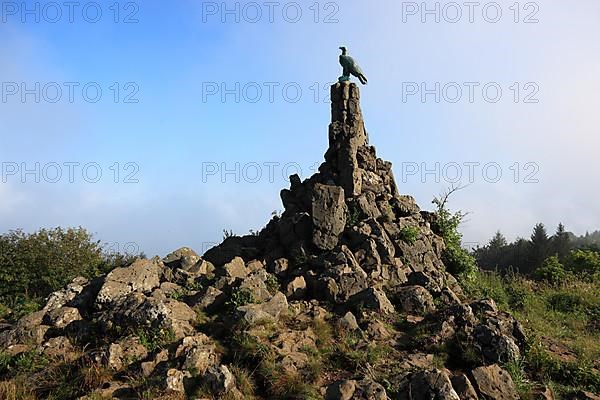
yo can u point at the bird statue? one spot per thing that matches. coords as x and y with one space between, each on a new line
351 67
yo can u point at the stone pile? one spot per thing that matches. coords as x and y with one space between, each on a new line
349 251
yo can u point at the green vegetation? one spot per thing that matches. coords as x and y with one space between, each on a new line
561 321
238 298
352 216
458 260
34 265
154 339
575 255
409 234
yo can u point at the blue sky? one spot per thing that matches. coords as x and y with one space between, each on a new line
165 144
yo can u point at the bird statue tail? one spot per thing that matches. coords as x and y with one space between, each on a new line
362 79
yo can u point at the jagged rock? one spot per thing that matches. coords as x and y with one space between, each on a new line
341 279
28 330
494 345
499 337
296 289
368 389
142 276
170 289
138 310
493 382
183 258
279 267
341 390
125 352
269 311
414 300
60 348
175 380
348 322
432 280
328 215
200 352
66 295
291 346
373 299
434 384
449 298
61 317
256 283
463 387
220 379
209 300
148 367
236 268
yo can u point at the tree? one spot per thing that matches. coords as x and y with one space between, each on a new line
493 255
539 247
560 243
498 241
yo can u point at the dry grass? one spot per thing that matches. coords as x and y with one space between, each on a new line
15 390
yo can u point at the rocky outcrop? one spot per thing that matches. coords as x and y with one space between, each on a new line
345 291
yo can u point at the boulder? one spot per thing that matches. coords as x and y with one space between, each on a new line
341 390
60 348
176 380
296 289
236 268
415 300
269 311
138 310
125 352
199 352
64 296
463 387
348 322
141 276
494 383
373 299
434 384
220 379
61 317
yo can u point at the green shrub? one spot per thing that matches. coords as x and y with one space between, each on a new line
458 260
566 302
409 234
551 271
238 298
155 338
352 216
35 265
585 263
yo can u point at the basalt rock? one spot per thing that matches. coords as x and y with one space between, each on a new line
349 271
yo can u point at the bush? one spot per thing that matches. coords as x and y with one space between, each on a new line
566 302
551 271
585 263
409 234
39 263
458 261
35 265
